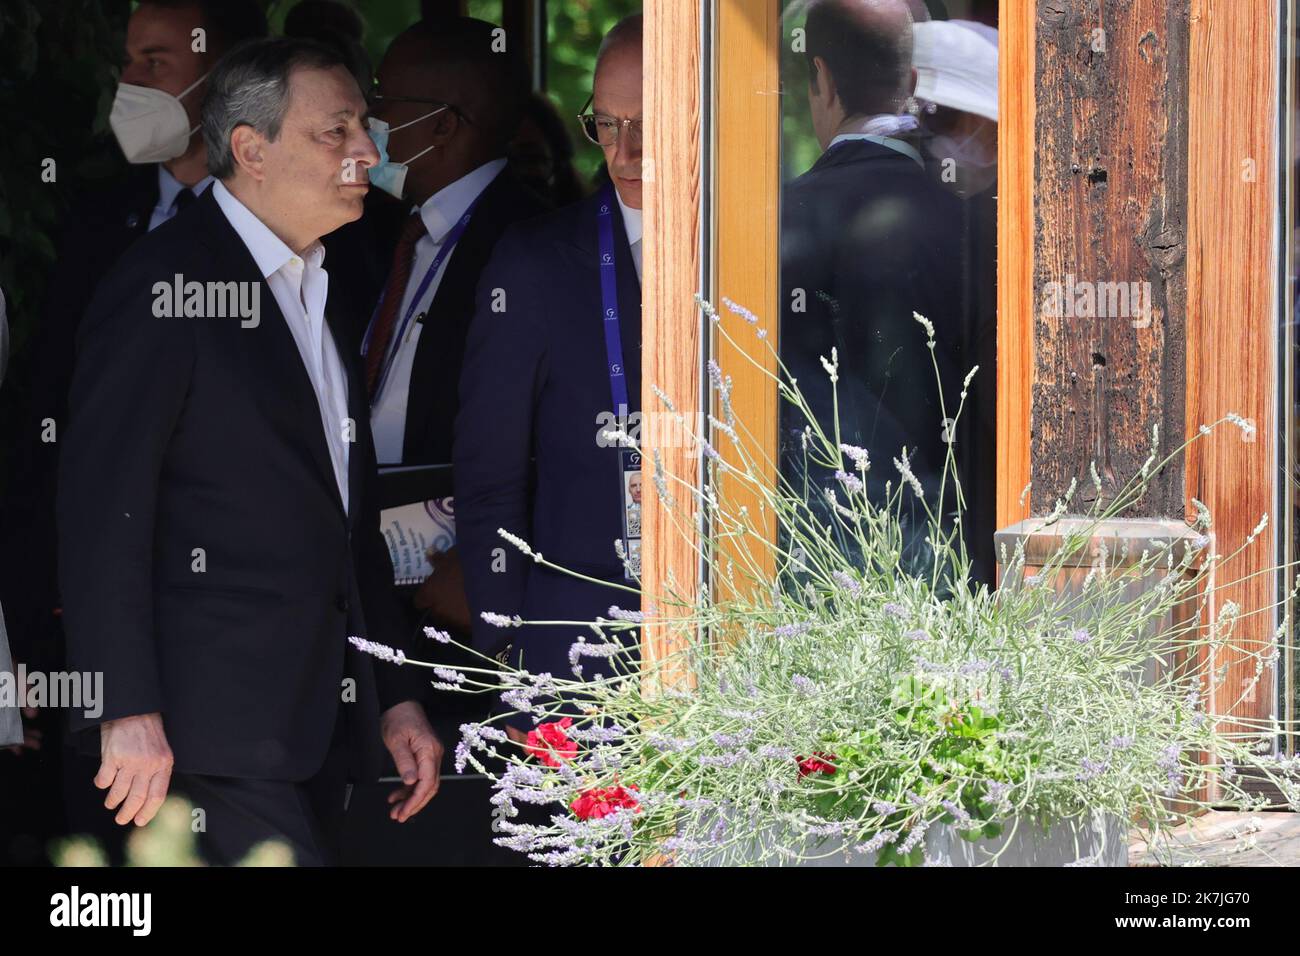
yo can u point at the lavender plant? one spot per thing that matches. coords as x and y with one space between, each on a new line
841 703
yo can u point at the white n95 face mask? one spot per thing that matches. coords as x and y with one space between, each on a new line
388 175
151 125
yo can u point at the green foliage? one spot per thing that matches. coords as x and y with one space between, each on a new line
57 78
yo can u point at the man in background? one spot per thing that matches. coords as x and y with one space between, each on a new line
446 105
554 347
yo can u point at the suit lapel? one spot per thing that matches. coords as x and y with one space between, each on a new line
357 403
442 341
277 374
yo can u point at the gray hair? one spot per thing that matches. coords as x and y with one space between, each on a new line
250 87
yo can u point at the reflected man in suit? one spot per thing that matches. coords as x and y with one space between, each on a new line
866 240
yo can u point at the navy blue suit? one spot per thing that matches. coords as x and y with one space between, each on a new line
866 240
527 455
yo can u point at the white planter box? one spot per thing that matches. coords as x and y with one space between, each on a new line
1101 841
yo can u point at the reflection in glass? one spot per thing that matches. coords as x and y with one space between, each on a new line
889 146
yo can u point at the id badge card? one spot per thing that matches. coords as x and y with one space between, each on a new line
629 482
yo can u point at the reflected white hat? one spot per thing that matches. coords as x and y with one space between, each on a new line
957 65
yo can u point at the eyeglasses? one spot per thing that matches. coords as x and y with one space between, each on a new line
604 130
379 99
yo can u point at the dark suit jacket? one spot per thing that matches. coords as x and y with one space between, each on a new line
190 433
359 257
527 458
101 226
867 239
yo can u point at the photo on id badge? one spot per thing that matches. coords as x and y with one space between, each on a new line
630 469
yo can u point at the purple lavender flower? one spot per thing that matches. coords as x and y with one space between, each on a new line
732 741
462 756
442 637
1091 769
884 807
918 634
618 614
877 842
449 676
1081 636
740 310
958 812
914 836
729 759
859 456
848 582
381 651
580 648
792 630
1120 743
851 483
803 685
894 609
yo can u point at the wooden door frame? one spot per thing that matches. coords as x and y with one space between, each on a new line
1232 240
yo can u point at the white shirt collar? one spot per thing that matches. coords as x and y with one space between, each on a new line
878 129
631 220
441 210
169 187
268 250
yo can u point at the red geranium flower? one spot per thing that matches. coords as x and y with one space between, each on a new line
600 802
819 762
550 741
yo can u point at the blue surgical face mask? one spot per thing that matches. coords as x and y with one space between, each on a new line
387 175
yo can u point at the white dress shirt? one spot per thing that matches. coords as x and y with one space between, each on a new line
169 187
632 226
440 212
300 287
880 129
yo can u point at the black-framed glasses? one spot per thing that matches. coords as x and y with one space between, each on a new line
604 130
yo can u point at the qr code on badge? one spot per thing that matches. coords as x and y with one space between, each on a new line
634 557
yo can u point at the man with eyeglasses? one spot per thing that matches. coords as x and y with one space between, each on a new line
446 105
553 361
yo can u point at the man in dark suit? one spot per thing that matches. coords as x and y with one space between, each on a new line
540 382
168 169
454 102
218 538
866 240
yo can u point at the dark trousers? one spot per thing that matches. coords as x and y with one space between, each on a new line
307 816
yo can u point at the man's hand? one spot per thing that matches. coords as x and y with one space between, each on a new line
135 766
443 593
417 752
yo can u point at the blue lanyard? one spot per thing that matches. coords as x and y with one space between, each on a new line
609 300
448 244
